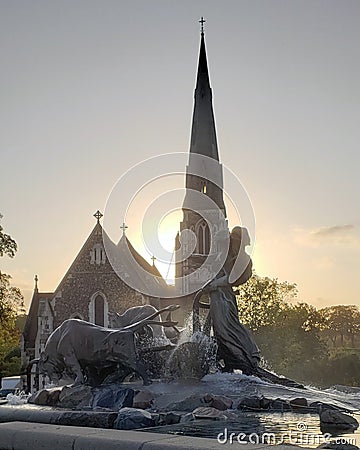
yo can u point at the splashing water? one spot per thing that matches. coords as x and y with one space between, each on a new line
18 398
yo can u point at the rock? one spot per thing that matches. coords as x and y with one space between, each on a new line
40 398
320 406
299 403
231 416
207 412
187 418
254 403
219 402
280 405
171 417
331 419
188 404
112 397
143 400
46 397
133 418
75 396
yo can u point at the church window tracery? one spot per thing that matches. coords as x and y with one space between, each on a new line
97 255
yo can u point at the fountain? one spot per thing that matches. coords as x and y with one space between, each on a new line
202 381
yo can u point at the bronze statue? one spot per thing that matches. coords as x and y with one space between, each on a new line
89 353
237 348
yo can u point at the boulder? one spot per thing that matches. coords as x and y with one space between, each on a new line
299 403
112 397
188 404
46 397
189 417
40 398
169 418
143 400
75 396
336 420
280 405
320 406
254 403
220 402
133 418
54 396
207 412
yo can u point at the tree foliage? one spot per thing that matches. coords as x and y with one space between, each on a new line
11 305
7 245
261 300
294 336
341 324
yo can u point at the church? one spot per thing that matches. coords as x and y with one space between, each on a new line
92 291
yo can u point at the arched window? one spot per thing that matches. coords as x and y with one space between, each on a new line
203 238
97 255
98 310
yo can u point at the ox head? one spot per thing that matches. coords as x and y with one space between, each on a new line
48 367
120 345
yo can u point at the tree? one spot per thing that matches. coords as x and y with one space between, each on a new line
287 334
341 321
7 244
11 305
262 299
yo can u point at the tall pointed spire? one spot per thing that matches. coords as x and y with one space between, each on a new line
204 211
203 133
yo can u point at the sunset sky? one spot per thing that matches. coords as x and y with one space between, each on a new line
91 88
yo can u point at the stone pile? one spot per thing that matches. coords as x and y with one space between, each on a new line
126 408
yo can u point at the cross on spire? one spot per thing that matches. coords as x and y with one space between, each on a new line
202 21
153 259
124 227
98 215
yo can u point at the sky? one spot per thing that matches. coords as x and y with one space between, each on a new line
91 88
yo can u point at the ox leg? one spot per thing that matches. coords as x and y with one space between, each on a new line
73 365
140 369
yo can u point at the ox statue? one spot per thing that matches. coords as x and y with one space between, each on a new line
89 352
138 313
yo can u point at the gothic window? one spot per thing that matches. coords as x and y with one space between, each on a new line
99 310
97 255
203 238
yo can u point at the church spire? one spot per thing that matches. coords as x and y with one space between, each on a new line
203 133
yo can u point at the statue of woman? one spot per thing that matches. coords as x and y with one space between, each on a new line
236 346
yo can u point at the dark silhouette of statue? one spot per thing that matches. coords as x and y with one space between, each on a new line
237 348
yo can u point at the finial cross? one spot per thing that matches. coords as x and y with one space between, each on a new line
153 259
202 21
98 215
124 227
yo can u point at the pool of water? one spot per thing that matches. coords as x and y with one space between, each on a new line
258 428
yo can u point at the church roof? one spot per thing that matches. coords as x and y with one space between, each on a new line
136 271
31 323
145 276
